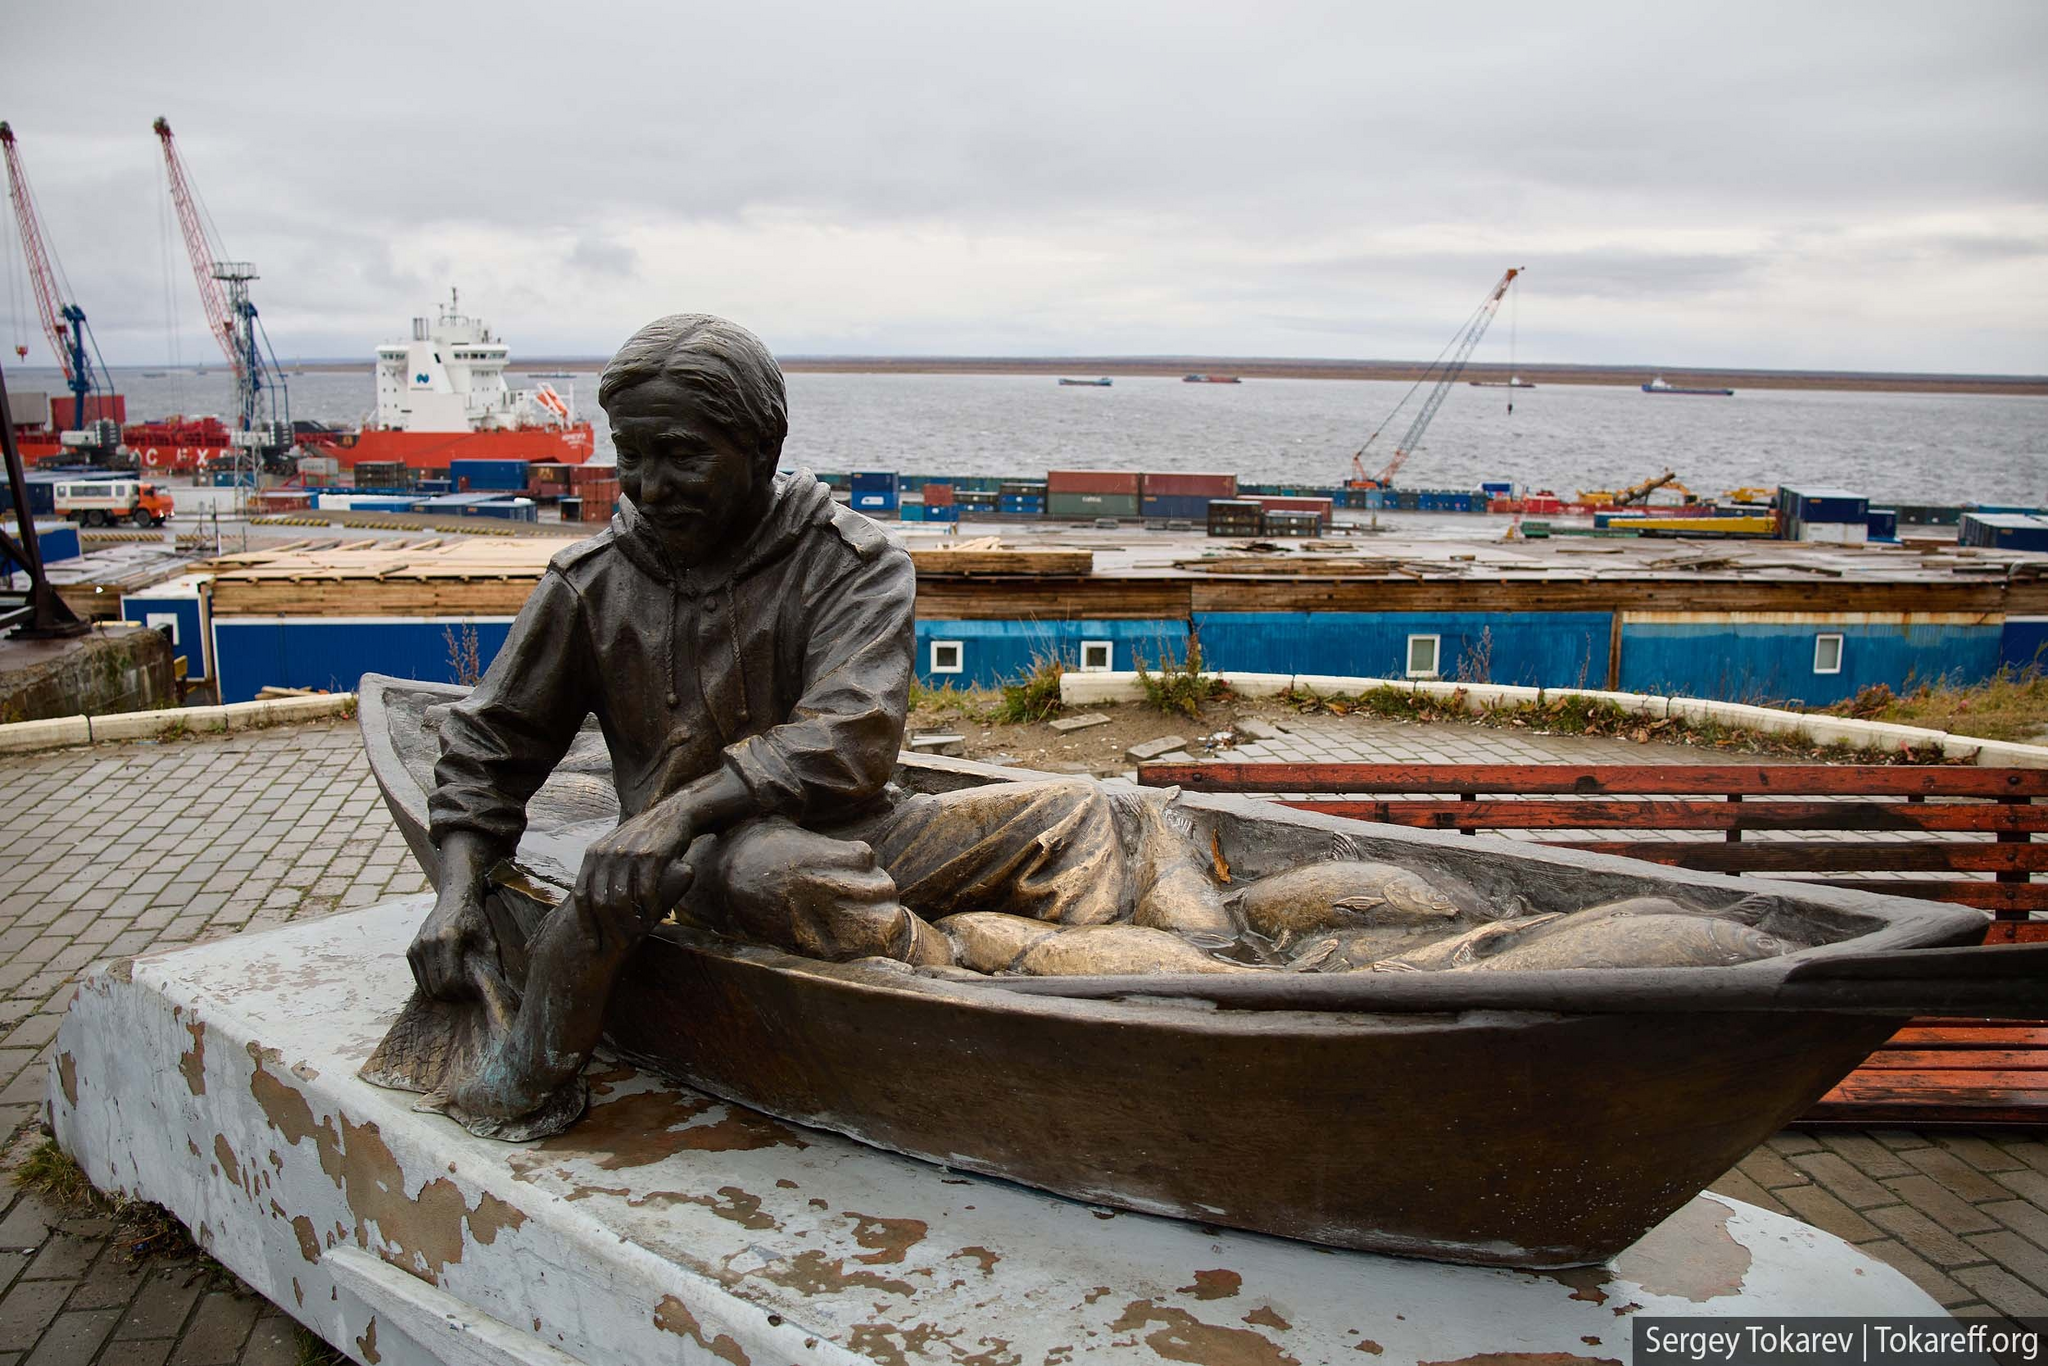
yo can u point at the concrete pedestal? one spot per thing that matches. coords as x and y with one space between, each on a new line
668 1226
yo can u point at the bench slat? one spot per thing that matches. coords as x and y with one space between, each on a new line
1958 1060
1795 780
1808 856
1989 896
1686 815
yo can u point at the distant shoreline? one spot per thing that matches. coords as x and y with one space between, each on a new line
1267 368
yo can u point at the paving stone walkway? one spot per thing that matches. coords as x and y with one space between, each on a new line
109 851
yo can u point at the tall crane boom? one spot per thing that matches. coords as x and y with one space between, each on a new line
62 319
224 290
218 320
1445 369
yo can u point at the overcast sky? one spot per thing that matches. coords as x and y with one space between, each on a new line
1840 186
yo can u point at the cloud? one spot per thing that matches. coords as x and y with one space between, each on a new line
1775 181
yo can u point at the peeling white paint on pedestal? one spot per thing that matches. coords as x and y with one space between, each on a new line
220 1080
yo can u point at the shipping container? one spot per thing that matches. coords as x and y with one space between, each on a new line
1025 488
1092 505
1116 482
434 486
1194 507
1204 486
2004 530
571 508
488 475
942 512
592 473
1823 505
874 481
938 495
1017 505
1291 524
1883 524
874 502
1499 488
910 510
1321 507
63 411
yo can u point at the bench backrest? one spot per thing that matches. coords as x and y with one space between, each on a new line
1728 799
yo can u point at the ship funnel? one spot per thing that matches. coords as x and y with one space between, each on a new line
419 329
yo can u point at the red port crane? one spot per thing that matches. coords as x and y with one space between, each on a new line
1444 370
62 319
224 290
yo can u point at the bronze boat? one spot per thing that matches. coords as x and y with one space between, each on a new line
1511 1118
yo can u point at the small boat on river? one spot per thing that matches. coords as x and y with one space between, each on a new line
1660 386
1513 1118
1102 383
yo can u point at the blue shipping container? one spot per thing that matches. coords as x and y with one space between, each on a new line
1883 524
942 512
1191 506
1017 505
875 502
482 475
873 481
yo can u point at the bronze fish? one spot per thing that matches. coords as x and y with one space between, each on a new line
989 941
1637 941
1117 950
1466 949
1330 896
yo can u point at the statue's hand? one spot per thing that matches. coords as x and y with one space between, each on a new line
640 864
456 936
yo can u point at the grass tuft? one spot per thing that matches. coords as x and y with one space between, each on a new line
1179 689
141 1229
1034 697
2010 705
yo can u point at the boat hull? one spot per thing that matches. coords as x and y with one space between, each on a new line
1432 1121
572 445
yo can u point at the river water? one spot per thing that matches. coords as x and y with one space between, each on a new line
1910 448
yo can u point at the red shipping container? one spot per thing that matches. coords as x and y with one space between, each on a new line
1191 486
1092 481
938 495
1322 507
1545 503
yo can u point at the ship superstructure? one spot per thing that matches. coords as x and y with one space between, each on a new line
450 377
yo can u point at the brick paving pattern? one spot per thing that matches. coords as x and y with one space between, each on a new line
108 851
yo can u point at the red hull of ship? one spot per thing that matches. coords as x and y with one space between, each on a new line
433 450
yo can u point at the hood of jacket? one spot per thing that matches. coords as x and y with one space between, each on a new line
795 502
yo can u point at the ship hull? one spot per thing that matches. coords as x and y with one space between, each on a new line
433 450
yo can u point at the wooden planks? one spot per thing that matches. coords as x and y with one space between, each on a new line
1686 815
1659 779
1805 856
965 561
1947 1072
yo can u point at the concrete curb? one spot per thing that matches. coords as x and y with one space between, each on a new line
24 737
1079 689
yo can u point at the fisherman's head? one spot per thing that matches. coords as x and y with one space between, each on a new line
698 416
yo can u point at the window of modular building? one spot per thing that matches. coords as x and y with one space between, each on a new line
1097 656
1422 656
1827 654
946 657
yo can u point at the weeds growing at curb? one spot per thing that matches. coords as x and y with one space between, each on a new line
1571 714
141 1229
2010 705
1034 697
1178 689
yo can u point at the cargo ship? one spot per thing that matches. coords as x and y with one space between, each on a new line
1659 386
1517 382
442 396
1210 379
1102 383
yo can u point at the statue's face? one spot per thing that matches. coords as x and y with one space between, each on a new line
685 473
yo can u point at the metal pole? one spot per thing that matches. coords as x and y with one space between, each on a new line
45 614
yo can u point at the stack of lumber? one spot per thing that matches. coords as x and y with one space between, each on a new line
434 577
986 556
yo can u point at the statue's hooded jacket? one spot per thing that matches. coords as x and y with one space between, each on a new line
787 661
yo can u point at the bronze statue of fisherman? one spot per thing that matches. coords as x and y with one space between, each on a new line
746 646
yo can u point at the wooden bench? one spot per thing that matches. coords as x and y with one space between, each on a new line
1941 820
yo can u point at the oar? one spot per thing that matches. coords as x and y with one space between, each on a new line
2005 980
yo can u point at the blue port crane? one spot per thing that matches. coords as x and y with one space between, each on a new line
56 306
262 404
1444 371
